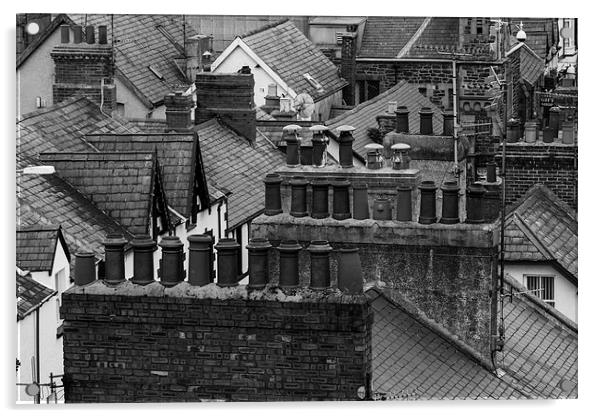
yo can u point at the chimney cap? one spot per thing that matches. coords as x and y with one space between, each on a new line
401 146
204 238
142 240
293 128
318 128
115 239
373 146
345 128
170 241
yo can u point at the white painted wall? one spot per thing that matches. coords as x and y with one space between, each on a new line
565 292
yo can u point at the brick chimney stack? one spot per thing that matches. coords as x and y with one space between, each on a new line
228 97
348 64
84 68
178 112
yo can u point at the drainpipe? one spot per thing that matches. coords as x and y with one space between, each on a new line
455 108
37 365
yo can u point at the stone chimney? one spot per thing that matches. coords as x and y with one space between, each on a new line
83 66
348 64
196 48
228 97
178 112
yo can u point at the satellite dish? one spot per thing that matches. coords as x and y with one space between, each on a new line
32 28
32 389
304 105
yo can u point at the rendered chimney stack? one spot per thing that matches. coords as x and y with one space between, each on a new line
273 199
350 278
258 263
319 205
348 66
402 124
289 264
171 268
428 208
178 113
114 259
448 123
449 207
298 197
227 262
144 247
85 268
426 121
340 199
292 145
319 146
346 146
200 257
320 264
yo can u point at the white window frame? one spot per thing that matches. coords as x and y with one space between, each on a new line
538 288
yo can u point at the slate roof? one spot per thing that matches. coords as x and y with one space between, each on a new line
363 116
442 33
290 54
414 358
61 127
36 245
531 65
541 227
176 155
121 184
146 40
50 200
30 294
232 163
384 37
541 33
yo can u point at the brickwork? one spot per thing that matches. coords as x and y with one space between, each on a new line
553 165
348 67
125 348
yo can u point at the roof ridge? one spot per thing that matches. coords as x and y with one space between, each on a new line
38 227
264 28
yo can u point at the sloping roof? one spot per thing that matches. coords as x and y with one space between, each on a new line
541 33
540 351
119 183
441 34
176 155
36 245
363 116
144 41
48 199
61 19
531 66
232 163
411 360
541 227
384 37
30 294
290 54
61 127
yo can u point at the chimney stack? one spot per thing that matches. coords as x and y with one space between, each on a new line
346 146
85 268
227 262
426 121
178 113
200 258
194 47
230 98
114 259
348 66
272 100
171 268
144 247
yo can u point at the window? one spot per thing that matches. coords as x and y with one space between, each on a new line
59 286
339 38
542 287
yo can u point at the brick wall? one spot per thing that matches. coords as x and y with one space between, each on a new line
154 344
554 165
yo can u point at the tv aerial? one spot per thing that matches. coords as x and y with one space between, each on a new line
304 104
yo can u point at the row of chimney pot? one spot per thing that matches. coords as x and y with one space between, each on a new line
381 209
550 132
79 32
171 270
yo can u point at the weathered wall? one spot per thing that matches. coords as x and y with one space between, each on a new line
188 343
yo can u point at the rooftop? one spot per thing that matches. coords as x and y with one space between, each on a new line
36 246
290 54
30 294
530 64
541 227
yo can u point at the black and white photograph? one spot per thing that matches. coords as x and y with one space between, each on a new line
299 207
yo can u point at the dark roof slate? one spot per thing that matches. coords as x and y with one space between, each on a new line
30 294
363 116
146 40
231 163
176 156
441 34
542 227
119 183
61 127
531 66
36 245
290 54
384 37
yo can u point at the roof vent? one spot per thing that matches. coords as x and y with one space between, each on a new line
156 72
313 82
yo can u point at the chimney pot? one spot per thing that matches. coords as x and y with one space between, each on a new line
85 268
272 90
171 270
346 146
319 207
289 264
292 145
531 132
102 35
426 121
298 197
375 158
90 35
448 123
200 254
114 259
360 201
402 125
258 263
143 247
350 278
227 262
319 146
340 199
65 34
513 130
449 207
404 203
78 33
401 156
391 106
491 172
273 200
428 208
319 252
474 204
